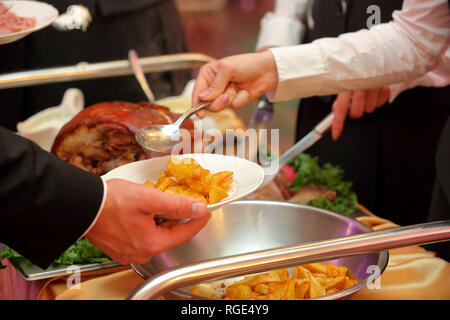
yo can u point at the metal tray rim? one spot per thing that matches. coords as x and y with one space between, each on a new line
25 269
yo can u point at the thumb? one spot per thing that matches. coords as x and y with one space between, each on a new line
173 206
218 84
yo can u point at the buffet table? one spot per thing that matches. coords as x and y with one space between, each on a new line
412 273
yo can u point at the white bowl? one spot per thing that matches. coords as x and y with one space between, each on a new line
44 14
247 176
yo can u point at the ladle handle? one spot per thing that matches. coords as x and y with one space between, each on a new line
284 257
191 111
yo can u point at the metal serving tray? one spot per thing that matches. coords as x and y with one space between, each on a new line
32 272
86 71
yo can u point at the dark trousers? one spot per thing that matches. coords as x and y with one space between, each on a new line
440 204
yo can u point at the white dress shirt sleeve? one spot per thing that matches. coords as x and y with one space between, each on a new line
105 190
283 26
389 53
438 77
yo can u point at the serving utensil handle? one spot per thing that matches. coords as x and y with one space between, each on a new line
325 124
139 73
191 111
284 257
306 142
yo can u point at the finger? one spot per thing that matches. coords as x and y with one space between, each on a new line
224 100
358 103
340 109
169 223
383 96
201 114
232 92
124 257
163 218
179 234
371 99
200 85
219 104
136 259
204 78
172 206
139 259
123 260
242 99
218 84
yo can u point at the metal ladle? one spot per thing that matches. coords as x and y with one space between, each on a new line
164 138
158 138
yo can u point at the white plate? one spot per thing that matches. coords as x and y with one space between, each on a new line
247 176
44 14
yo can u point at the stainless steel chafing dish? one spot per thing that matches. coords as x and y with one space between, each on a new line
254 236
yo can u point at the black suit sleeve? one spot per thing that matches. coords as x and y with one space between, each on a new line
46 204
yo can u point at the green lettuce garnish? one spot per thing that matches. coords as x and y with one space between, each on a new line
310 172
81 252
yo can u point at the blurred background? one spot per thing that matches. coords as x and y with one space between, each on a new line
210 27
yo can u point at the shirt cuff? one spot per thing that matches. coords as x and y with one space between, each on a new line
278 31
105 187
295 65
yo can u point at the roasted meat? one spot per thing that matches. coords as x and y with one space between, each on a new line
276 190
271 191
312 191
101 137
